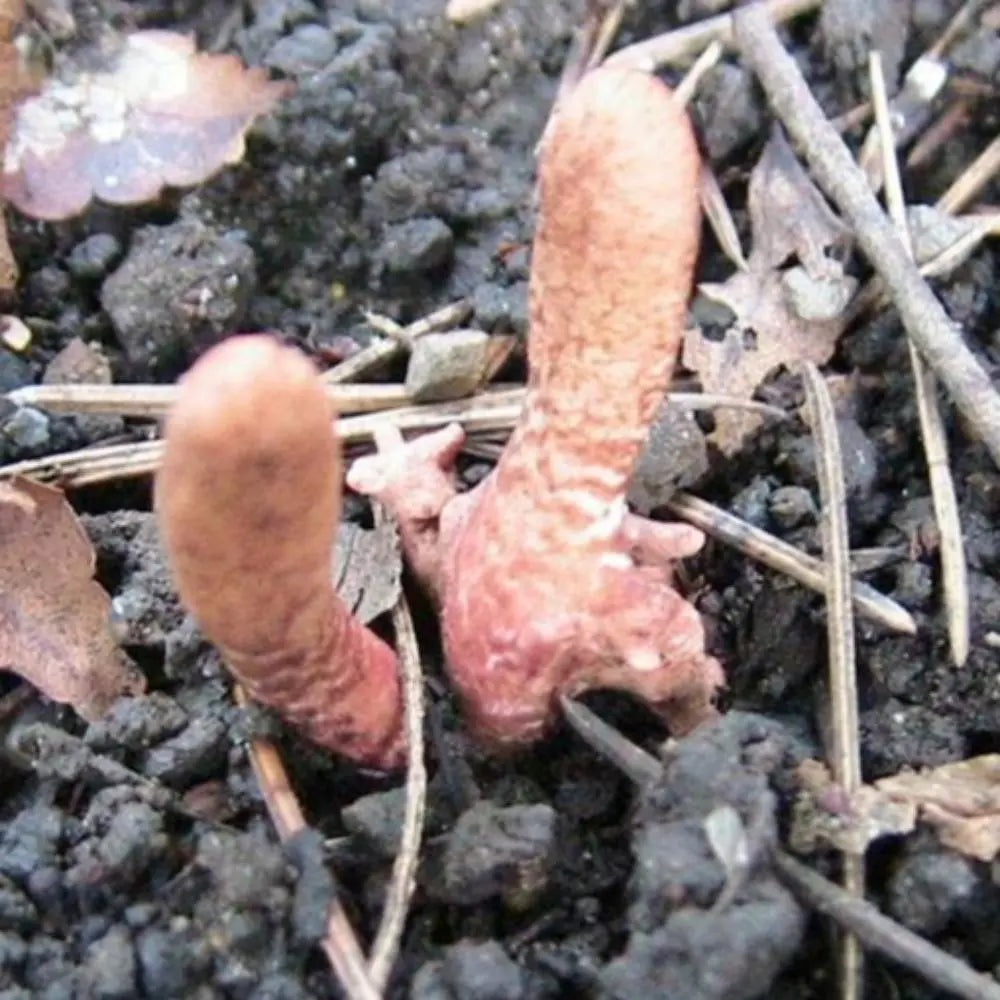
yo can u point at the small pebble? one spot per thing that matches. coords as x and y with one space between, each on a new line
377 820
928 888
94 257
14 371
47 291
730 109
27 428
416 246
914 585
791 506
196 752
495 851
15 333
500 308
179 289
17 911
137 723
12 951
751 503
172 962
482 971
447 365
307 49
817 299
110 966
78 362
675 457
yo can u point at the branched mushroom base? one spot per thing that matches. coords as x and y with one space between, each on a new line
546 584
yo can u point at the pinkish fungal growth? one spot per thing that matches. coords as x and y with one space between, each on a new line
547 585
248 500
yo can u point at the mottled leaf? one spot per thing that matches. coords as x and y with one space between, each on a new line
367 567
824 813
788 305
161 114
788 215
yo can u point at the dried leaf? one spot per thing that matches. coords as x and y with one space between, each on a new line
728 838
367 569
825 814
788 304
54 617
9 271
163 114
788 215
961 800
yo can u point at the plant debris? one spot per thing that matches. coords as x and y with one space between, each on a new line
55 628
788 305
367 568
163 114
961 801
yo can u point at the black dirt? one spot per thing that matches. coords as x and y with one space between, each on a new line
137 859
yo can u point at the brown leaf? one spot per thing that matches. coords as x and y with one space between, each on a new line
54 617
960 800
9 271
163 114
788 305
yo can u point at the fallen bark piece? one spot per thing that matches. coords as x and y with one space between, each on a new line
55 625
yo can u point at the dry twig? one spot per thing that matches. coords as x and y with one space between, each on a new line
953 569
378 353
845 749
972 180
154 401
683 44
404 869
881 934
784 558
339 943
923 315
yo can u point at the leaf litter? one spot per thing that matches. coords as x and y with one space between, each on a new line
368 568
788 304
55 624
959 800
160 114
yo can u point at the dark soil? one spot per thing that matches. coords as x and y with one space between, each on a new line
136 857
